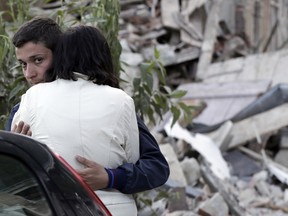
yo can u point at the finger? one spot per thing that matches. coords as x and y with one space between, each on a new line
25 129
29 133
84 161
14 128
82 172
18 128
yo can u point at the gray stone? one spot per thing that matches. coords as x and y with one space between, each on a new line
276 191
260 176
158 137
194 192
281 157
132 59
240 184
176 172
263 188
246 196
181 213
286 195
284 138
191 170
177 199
215 206
157 208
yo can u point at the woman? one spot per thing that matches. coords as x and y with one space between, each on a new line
83 110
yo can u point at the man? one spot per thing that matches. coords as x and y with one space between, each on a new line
35 42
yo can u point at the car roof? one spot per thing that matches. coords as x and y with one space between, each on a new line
39 151
26 148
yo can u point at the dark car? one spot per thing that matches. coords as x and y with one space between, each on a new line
34 181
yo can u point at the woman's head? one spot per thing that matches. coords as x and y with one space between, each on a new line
84 49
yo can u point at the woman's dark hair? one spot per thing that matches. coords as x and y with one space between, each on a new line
83 49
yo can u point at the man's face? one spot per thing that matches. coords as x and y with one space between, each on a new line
35 60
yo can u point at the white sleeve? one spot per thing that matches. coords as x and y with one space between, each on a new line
131 131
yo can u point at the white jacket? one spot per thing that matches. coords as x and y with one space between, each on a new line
81 118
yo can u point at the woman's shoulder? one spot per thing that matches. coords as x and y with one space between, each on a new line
38 89
117 92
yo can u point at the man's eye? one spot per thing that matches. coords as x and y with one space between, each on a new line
38 60
23 64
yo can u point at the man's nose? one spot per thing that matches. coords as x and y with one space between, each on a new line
29 71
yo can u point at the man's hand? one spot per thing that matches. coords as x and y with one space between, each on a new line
22 128
94 174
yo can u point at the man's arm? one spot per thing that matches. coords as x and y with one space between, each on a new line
150 171
21 128
10 118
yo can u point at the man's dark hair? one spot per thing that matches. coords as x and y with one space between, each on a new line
84 49
38 30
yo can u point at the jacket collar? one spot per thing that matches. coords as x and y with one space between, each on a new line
79 75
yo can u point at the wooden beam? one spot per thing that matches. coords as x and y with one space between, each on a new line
209 39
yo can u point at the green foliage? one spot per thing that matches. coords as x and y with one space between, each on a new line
152 96
147 198
101 13
107 14
12 81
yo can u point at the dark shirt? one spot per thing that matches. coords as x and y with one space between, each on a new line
150 171
10 118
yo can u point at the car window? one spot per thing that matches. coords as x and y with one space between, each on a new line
20 193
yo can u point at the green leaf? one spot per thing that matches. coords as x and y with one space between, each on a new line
167 89
151 67
16 91
151 115
136 82
156 53
161 101
148 89
176 114
178 94
147 202
185 107
144 66
157 108
161 77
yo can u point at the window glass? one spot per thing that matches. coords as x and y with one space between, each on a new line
20 193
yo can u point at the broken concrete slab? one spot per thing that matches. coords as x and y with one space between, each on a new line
169 8
202 144
215 206
223 100
176 172
260 124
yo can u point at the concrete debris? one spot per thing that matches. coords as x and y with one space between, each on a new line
232 62
228 55
203 145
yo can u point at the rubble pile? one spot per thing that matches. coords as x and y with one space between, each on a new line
231 160
232 57
254 186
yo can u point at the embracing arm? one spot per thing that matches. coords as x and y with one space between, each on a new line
150 171
21 127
